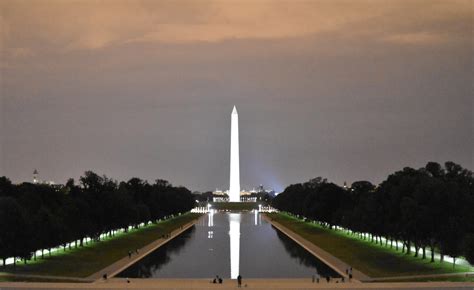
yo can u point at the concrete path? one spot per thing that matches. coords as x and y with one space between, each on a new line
333 262
195 284
125 262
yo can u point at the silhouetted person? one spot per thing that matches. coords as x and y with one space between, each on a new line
220 280
239 281
129 254
104 276
136 251
328 279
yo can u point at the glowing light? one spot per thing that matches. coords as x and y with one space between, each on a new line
210 219
234 233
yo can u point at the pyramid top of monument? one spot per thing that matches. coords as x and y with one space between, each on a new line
234 111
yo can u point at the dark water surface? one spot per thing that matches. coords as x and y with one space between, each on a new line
228 244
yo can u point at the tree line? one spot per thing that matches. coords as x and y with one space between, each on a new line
427 208
38 216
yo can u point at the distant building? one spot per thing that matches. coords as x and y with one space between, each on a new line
245 195
248 198
245 192
35 176
219 192
36 179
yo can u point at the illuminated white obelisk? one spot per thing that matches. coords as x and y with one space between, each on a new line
234 186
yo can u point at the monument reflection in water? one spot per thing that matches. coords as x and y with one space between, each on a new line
234 233
229 244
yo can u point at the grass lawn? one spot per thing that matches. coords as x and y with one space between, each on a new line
373 260
469 278
10 278
236 206
85 261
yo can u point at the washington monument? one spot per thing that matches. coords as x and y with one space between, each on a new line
234 185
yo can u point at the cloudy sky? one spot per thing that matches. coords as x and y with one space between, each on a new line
347 90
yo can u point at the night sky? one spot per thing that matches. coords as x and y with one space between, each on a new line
347 90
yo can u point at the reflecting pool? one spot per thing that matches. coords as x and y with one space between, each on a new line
229 244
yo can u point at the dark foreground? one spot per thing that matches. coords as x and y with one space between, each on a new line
232 284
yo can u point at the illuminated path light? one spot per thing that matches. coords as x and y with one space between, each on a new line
234 233
211 218
234 185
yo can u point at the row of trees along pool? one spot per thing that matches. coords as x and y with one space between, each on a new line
35 217
432 207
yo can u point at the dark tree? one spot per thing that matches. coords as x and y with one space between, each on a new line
40 217
430 207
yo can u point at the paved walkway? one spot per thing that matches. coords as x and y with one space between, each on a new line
204 284
333 262
125 262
